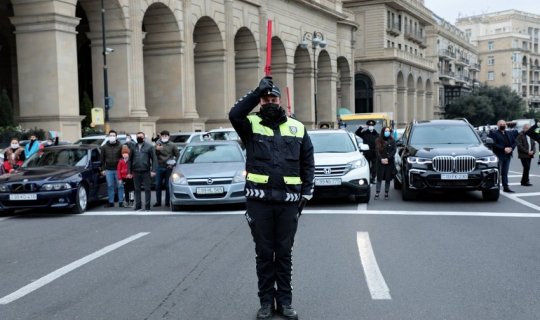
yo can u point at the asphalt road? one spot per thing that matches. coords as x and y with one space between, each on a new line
445 256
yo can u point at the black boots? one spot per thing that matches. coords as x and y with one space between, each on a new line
287 312
265 312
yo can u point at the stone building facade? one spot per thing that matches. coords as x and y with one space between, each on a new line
508 45
176 65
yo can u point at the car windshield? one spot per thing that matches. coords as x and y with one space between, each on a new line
97 141
224 135
180 138
58 157
211 154
429 135
332 143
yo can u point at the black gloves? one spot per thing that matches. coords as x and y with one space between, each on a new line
301 205
265 86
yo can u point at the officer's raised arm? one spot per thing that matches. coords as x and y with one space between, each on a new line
242 107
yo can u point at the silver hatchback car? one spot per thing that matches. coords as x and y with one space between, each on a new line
211 172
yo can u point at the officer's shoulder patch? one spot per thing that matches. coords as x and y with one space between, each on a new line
293 129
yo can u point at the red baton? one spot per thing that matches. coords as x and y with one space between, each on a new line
268 66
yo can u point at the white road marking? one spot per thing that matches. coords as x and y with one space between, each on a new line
517 198
5 218
361 207
324 212
374 278
527 194
66 269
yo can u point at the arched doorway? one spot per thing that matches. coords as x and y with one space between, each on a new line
209 56
84 66
8 57
303 86
162 63
246 61
363 93
326 89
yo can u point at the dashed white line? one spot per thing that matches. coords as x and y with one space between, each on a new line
374 278
66 269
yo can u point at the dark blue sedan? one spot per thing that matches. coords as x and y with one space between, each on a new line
66 176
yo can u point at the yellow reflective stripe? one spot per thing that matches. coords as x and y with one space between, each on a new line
292 128
257 178
257 127
292 180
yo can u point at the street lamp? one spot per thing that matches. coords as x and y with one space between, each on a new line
317 39
106 51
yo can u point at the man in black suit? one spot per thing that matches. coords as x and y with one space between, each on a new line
503 145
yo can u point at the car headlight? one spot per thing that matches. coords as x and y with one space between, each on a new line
240 176
488 160
55 186
178 178
4 188
358 163
418 160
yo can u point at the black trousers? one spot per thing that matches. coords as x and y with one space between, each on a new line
526 162
273 226
372 167
140 178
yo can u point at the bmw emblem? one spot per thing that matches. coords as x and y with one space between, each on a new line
209 181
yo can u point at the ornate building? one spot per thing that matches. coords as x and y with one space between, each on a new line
176 65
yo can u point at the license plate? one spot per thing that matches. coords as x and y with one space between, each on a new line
210 190
328 181
454 176
23 196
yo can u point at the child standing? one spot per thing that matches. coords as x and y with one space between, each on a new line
125 177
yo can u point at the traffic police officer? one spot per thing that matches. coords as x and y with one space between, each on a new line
369 136
279 181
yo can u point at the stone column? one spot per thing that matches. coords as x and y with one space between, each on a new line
47 71
421 105
283 75
411 105
429 106
385 99
303 96
347 93
326 96
401 106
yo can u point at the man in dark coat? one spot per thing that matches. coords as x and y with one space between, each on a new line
369 136
503 145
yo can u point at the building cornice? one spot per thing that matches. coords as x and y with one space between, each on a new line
412 7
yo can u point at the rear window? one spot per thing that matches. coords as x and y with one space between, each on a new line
332 143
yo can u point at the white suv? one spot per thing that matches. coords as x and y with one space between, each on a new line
341 170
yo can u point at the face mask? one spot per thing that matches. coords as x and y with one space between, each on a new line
270 111
14 145
140 139
33 139
387 134
112 139
502 128
128 139
371 128
164 139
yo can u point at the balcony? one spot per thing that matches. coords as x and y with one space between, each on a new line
407 57
461 78
416 37
447 54
474 67
462 61
535 98
394 29
447 74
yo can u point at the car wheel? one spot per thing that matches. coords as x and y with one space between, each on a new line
175 207
81 200
491 194
406 193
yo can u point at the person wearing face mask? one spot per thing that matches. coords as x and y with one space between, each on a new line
143 167
32 147
385 150
503 146
165 151
125 177
111 152
280 172
14 156
369 136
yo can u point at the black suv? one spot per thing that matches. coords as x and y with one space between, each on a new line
445 154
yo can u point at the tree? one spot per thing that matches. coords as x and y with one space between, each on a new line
6 110
487 105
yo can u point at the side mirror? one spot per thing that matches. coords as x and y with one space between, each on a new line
364 147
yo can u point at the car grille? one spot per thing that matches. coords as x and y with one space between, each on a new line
23 187
461 164
209 182
330 171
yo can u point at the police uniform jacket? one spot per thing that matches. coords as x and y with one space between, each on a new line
279 156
